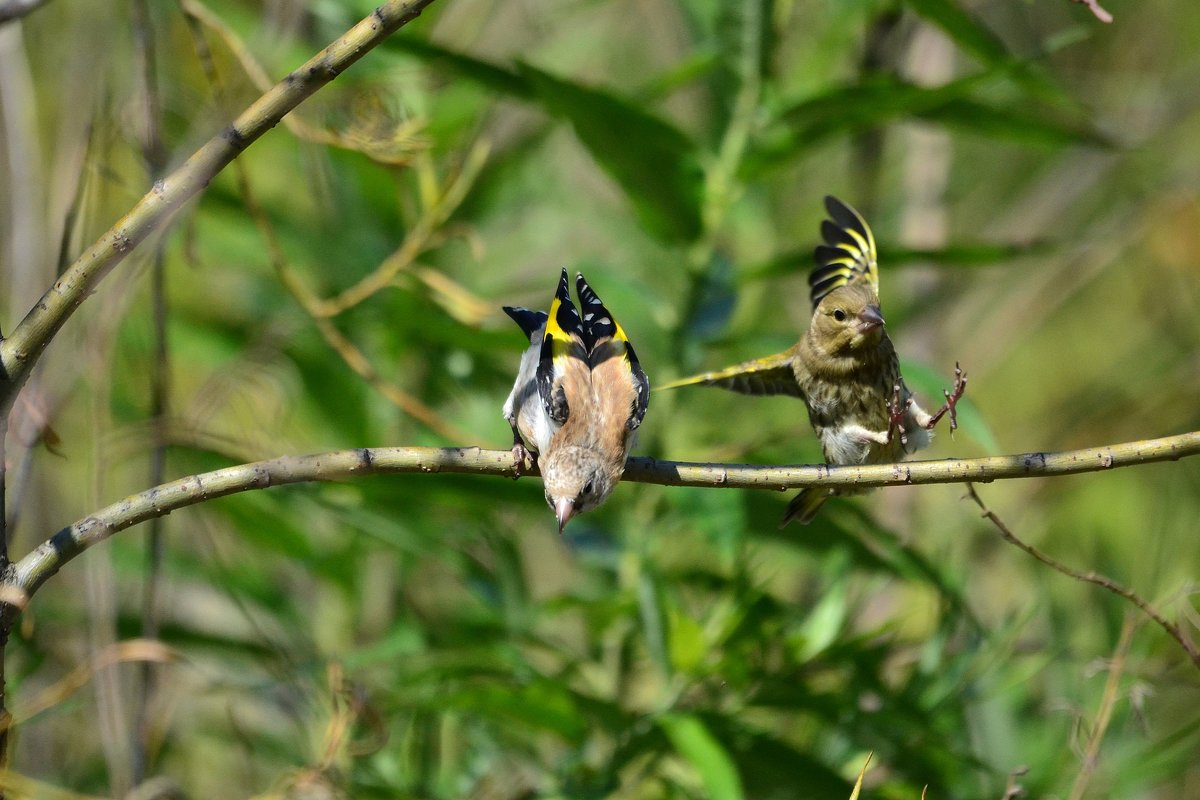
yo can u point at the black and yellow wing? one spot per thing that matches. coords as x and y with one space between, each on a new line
605 338
563 341
761 376
848 255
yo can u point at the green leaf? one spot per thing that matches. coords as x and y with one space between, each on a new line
966 31
710 759
654 621
1020 125
742 35
484 73
825 621
653 161
879 99
963 254
686 645
900 558
977 39
867 104
540 705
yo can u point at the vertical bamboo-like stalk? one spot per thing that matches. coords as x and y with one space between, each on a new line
154 156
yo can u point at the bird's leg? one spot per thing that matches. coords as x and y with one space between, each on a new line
861 434
952 398
897 411
520 453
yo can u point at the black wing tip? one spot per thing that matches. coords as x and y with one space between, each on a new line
839 209
587 295
598 321
562 293
838 236
824 256
527 319
844 215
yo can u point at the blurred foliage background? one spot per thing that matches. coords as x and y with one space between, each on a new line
1032 175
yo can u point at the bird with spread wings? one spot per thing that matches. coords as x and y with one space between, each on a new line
844 367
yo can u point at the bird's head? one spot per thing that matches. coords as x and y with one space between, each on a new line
848 319
576 479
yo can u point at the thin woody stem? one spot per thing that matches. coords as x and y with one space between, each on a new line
15 9
36 568
1108 702
349 353
1104 582
21 350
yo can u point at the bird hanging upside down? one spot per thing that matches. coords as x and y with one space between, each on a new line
579 398
844 367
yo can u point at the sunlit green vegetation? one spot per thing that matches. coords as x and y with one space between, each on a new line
1033 177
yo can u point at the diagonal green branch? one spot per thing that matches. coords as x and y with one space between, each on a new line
34 569
20 351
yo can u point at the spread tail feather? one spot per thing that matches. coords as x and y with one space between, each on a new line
805 506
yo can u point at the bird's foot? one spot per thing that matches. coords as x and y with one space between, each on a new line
897 410
952 398
523 459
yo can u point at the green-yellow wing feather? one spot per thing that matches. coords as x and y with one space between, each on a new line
562 342
848 255
761 376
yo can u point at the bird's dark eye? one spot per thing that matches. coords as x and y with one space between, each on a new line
588 489
839 315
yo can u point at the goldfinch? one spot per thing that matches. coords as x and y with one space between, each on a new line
579 398
844 367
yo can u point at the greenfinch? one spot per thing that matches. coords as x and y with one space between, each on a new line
844 368
578 400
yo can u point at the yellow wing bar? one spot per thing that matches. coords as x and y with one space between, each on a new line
761 376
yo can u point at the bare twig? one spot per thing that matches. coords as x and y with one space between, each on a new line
129 650
3 487
15 9
1094 7
1013 787
21 350
349 353
36 568
307 300
155 157
395 149
439 205
1173 630
1108 701
5 571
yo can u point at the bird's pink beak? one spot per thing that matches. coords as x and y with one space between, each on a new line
564 509
870 318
